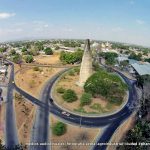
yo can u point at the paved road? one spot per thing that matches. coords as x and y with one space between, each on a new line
106 136
86 121
40 131
10 124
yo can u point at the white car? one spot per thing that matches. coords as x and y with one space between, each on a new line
65 113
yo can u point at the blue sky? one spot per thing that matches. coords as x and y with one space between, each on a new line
116 20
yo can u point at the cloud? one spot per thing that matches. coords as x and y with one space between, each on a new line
141 22
46 25
4 15
117 29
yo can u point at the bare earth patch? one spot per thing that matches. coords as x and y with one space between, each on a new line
33 81
70 82
74 135
25 112
47 59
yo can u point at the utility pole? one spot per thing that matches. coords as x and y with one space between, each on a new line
81 120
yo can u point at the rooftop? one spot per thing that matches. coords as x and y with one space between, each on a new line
142 69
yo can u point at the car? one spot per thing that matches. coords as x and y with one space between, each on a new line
65 113
51 100
13 81
1 91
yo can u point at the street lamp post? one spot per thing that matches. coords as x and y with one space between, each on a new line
81 119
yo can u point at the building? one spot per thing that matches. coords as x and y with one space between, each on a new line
106 47
86 65
141 68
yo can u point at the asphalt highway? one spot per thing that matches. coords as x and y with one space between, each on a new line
11 137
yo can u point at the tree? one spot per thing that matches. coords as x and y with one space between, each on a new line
12 52
57 48
48 51
59 129
69 96
137 57
85 99
29 59
16 58
140 133
147 60
24 50
2 49
110 57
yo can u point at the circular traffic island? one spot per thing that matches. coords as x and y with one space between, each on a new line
103 93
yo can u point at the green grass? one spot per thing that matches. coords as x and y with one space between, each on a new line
109 106
81 110
97 107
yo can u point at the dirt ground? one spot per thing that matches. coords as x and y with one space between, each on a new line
47 59
32 81
70 82
25 112
73 135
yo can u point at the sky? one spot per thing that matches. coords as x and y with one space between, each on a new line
111 20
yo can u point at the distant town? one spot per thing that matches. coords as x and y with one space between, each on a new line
69 94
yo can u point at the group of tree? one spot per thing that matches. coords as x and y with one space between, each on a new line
110 57
71 44
124 63
147 60
71 58
108 85
15 57
120 46
139 134
137 57
3 49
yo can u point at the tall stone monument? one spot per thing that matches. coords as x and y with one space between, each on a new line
86 65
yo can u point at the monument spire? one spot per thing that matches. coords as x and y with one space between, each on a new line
86 65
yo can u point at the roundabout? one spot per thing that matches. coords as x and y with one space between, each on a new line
46 105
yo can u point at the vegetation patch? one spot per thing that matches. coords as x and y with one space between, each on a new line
59 129
85 99
108 85
69 96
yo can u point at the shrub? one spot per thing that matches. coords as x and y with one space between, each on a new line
48 51
69 96
36 68
29 58
59 128
71 73
85 99
60 90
